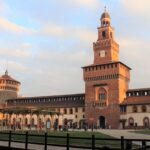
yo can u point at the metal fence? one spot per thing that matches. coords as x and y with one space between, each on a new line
68 141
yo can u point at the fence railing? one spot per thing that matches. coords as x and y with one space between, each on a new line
68 141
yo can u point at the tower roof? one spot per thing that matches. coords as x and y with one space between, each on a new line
105 14
7 77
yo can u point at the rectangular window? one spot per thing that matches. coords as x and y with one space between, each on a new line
71 111
65 111
83 109
76 109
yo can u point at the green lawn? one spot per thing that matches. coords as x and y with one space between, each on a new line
144 131
62 140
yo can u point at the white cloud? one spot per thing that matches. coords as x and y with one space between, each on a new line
13 66
85 3
80 3
65 58
19 51
138 7
83 34
52 30
135 53
5 24
3 7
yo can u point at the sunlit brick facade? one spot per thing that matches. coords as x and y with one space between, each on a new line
106 80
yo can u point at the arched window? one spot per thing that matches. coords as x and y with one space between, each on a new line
134 109
26 121
131 122
48 123
102 94
71 111
65 121
146 122
104 23
103 34
32 122
143 108
40 123
14 121
65 111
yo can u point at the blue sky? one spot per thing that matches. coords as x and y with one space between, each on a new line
44 44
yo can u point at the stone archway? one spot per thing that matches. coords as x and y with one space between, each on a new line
48 124
32 122
14 121
146 122
102 122
40 123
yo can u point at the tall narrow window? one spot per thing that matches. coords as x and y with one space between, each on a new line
71 111
32 122
143 108
146 122
83 109
103 34
65 111
131 122
134 108
76 109
102 94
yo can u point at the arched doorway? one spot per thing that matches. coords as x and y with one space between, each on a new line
26 122
102 122
32 122
65 124
146 122
56 124
40 123
48 124
131 122
19 123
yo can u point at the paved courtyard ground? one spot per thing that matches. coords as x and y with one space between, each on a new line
129 134
35 147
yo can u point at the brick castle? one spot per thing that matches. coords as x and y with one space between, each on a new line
107 102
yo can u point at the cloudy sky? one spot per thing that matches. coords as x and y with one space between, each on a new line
44 44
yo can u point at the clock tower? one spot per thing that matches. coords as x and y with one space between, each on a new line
106 80
105 49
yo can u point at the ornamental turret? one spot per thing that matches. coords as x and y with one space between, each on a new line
9 87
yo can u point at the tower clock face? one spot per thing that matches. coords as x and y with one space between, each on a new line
102 53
